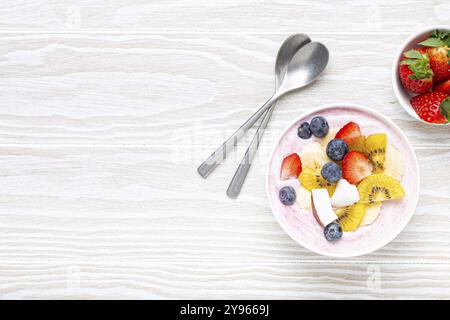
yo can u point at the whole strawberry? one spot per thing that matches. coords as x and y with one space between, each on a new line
432 107
444 86
415 71
438 51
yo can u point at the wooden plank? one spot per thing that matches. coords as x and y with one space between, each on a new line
144 204
108 108
207 280
178 90
284 16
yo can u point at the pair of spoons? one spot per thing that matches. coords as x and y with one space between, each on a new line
299 62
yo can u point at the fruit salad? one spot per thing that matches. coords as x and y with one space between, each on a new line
424 72
344 174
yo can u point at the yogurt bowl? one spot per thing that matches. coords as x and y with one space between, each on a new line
301 225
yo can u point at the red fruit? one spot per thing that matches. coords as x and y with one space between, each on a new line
415 71
438 51
291 166
443 87
349 133
433 107
356 166
439 63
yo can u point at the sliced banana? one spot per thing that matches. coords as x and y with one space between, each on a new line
313 156
303 198
372 213
393 164
330 136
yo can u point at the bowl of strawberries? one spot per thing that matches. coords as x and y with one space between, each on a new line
421 76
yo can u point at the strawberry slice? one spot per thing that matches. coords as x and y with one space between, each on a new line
291 167
443 87
433 107
349 133
356 166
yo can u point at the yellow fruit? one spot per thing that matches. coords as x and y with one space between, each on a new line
303 198
313 155
350 217
358 144
372 213
312 179
393 165
379 187
375 146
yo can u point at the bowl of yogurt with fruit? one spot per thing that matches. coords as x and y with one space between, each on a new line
342 180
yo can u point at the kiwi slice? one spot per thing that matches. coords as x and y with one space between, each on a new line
375 147
350 217
312 179
379 187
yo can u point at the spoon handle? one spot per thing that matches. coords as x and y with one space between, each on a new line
221 153
241 173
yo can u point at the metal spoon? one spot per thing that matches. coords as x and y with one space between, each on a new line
305 67
298 74
285 54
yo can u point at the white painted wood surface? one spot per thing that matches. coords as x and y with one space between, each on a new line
107 108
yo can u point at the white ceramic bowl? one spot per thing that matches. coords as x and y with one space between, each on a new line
300 224
402 95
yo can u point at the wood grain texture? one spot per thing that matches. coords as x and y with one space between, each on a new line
224 15
143 204
107 108
149 89
208 280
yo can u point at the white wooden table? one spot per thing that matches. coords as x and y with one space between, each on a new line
107 108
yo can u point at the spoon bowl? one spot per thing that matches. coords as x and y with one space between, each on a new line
285 54
305 66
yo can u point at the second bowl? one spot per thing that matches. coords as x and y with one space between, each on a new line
401 94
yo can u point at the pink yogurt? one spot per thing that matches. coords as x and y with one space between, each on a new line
301 225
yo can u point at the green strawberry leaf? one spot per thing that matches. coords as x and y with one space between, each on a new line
438 38
413 54
445 108
408 62
433 42
420 68
440 34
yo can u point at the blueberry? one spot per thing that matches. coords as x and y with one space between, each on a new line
287 195
333 232
337 149
331 172
304 131
319 127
